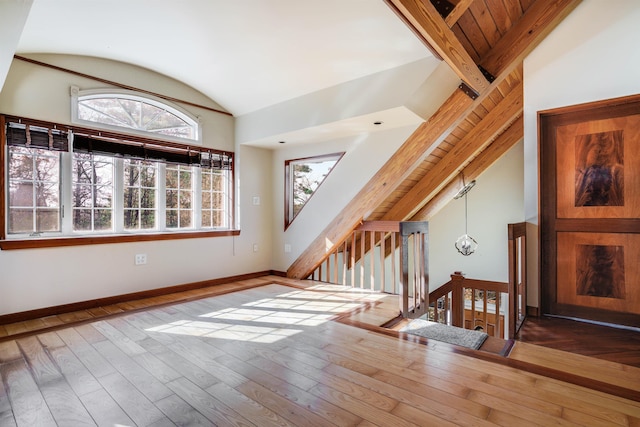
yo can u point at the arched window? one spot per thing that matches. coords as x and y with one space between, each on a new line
129 112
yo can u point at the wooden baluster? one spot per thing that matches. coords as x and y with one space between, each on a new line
382 257
335 266
498 331
353 259
486 311
345 260
372 245
363 238
393 263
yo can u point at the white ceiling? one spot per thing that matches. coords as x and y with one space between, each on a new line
243 54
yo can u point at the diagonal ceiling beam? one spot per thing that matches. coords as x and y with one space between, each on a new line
539 22
424 19
457 12
492 125
482 162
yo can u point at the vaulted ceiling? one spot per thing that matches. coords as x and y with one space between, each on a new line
484 42
243 54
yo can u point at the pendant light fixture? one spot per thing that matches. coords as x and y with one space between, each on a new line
465 244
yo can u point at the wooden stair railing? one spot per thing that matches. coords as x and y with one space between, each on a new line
517 276
470 303
414 253
382 256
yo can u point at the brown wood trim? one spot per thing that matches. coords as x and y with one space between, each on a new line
384 226
598 315
592 225
517 230
120 85
533 311
38 243
278 273
3 207
486 284
117 299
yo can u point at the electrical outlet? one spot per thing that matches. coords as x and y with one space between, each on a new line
287 248
256 200
255 247
141 259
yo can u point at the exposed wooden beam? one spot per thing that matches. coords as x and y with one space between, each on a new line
492 125
425 19
482 162
537 22
428 136
457 12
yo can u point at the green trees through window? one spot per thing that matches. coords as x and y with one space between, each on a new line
302 179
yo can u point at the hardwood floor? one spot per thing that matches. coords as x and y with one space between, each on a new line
601 342
276 355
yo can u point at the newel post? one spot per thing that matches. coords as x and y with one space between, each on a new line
457 299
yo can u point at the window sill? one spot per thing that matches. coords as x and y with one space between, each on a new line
48 242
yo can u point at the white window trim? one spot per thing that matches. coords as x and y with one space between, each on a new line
77 95
66 209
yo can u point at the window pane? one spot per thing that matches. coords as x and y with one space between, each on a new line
21 220
172 219
171 178
82 196
20 164
185 179
47 219
33 183
131 175
104 196
133 112
148 219
185 219
206 200
185 200
304 178
21 194
206 218
47 194
131 219
82 219
148 198
206 180
102 219
148 174
172 199
131 198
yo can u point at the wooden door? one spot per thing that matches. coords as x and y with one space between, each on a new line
590 210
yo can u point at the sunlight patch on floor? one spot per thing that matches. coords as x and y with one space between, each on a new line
285 313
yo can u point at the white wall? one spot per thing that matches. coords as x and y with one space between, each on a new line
592 55
494 202
364 156
71 274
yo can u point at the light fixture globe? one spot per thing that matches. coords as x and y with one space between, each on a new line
466 245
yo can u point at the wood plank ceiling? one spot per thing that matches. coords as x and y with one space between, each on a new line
484 42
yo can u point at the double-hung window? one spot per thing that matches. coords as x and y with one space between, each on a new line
66 181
